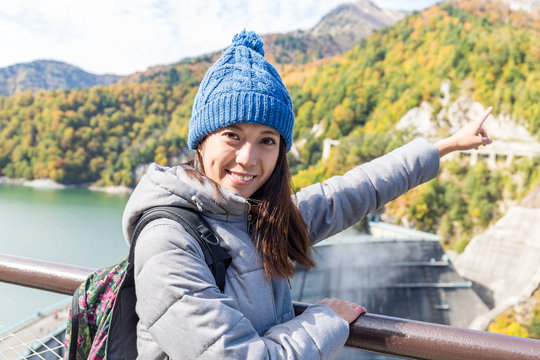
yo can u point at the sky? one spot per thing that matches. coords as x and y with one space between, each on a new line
125 36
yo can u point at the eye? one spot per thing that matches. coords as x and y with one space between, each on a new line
268 141
231 135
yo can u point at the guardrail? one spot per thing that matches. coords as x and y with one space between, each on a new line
376 333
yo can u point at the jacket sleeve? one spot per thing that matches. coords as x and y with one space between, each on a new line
187 317
341 201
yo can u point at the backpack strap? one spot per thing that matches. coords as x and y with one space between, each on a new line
74 326
217 258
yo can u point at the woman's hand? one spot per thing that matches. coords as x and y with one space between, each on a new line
470 136
347 310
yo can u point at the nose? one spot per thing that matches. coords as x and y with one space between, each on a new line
246 155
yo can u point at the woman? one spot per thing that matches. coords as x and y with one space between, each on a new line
241 128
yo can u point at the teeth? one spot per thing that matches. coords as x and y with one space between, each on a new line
240 177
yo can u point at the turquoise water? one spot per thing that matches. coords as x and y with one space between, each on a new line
71 226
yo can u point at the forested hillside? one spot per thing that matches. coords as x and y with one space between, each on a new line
99 135
486 51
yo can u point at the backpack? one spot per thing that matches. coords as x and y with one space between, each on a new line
103 322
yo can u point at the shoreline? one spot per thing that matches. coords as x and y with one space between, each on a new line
48 184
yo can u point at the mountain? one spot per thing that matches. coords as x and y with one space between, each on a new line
482 50
337 32
48 74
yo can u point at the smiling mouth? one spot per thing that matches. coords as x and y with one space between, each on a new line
243 178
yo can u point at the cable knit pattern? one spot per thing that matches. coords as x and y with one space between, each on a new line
241 87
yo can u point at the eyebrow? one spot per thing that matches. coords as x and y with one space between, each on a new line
239 128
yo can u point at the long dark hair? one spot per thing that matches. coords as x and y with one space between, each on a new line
279 231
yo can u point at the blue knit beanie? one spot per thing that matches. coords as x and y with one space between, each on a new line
241 87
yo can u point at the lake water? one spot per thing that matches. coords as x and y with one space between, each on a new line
71 226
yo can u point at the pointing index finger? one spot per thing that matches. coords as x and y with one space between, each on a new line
485 115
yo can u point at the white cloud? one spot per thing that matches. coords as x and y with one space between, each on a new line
125 36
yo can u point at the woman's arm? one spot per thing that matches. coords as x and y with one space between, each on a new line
339 202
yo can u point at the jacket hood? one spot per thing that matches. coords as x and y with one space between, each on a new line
172 186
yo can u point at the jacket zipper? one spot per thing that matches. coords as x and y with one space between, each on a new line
249 228
197 202
273 302
249 224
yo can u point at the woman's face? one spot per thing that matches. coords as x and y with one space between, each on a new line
240 157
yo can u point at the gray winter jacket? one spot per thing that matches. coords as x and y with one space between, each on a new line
183 315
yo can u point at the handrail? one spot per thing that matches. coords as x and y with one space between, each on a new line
371 332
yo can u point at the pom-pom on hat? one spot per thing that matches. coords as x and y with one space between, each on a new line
241 87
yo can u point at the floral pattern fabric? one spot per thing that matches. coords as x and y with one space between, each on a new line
96 298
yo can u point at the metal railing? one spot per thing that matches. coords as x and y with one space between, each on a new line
376 333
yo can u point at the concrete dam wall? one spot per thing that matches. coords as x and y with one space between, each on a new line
504 262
